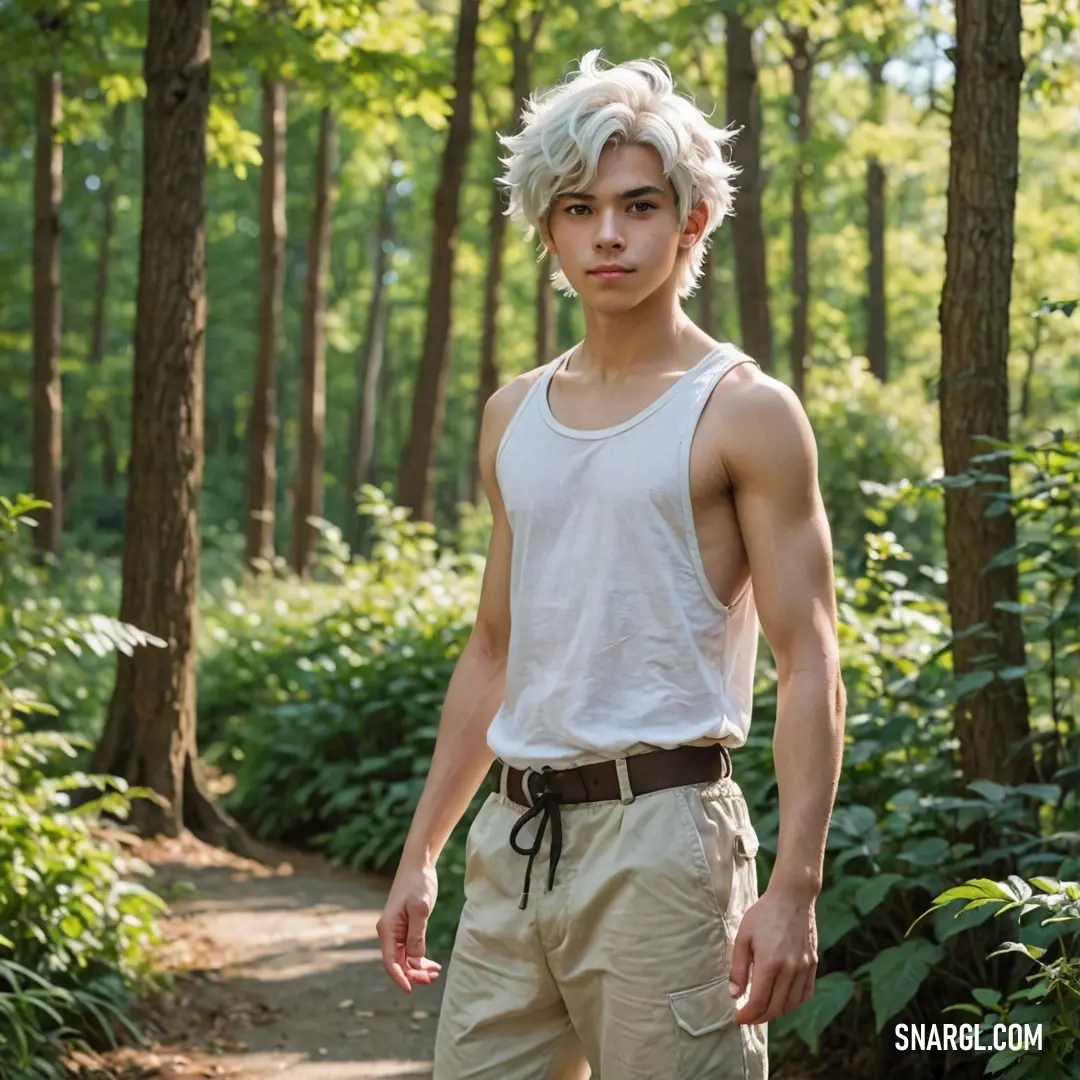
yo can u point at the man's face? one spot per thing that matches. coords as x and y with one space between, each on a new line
627 217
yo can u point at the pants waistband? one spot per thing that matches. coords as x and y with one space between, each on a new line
544 792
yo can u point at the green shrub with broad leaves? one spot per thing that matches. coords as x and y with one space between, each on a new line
1049 997
75 929
905 827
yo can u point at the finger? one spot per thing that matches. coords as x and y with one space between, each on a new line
778 1000
395 968
422 971
390 950
740 962
807 989
760 993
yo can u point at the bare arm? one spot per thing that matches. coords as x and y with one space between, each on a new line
774 476
461 757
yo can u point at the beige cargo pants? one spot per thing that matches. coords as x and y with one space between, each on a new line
630 950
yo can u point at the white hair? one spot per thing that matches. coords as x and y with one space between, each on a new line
565 129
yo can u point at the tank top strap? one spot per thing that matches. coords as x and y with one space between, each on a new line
539 386
700 387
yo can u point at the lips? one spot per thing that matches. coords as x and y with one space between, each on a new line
609 273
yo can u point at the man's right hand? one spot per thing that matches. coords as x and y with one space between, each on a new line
402 927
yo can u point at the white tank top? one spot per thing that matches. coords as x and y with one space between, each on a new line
617 642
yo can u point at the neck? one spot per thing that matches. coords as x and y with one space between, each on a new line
653 336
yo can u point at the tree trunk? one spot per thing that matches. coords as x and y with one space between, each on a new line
308 492
546 330
99 321
48 409
416 474
263 423
489 368
801 73
974 388
369 367
149 736
877 341
747 229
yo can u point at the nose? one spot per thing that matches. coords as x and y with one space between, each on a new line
608 234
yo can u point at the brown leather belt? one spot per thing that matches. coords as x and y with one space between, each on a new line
648 772
544 792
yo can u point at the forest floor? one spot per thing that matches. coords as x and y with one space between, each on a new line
276 972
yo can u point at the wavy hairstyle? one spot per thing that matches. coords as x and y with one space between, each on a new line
565 129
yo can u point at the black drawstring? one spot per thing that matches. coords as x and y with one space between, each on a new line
546 806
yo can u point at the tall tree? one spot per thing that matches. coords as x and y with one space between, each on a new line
308 491
263 423
747 228
102 414
522 46
149 736
416 473
876 301
801 62
991 723
48 408
359 468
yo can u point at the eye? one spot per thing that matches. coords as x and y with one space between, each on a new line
576 206
646 205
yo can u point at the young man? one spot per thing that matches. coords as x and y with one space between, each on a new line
653 494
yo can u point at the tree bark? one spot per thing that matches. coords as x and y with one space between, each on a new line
369 367
488 382
974 388
308 491
801 74
416 474
261 492
149 737
877 309
47 438
99 322
747 228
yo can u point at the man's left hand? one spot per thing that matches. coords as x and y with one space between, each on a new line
778 935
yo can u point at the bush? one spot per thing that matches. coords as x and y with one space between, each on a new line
76 930
1052 998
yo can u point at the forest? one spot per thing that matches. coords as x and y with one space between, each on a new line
256 285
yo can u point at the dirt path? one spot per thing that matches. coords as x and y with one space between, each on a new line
279 974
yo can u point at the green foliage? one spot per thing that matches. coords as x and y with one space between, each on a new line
904 826
75 927
1051 996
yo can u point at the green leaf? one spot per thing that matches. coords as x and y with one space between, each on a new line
896 975
874 890
831 994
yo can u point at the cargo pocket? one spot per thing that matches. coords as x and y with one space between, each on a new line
710 1043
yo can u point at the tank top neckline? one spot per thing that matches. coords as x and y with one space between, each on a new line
614 429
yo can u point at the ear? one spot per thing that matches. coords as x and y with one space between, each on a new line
695 225
545 235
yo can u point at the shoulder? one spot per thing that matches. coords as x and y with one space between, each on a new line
760 426
499 410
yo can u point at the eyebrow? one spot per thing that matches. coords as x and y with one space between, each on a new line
633 193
